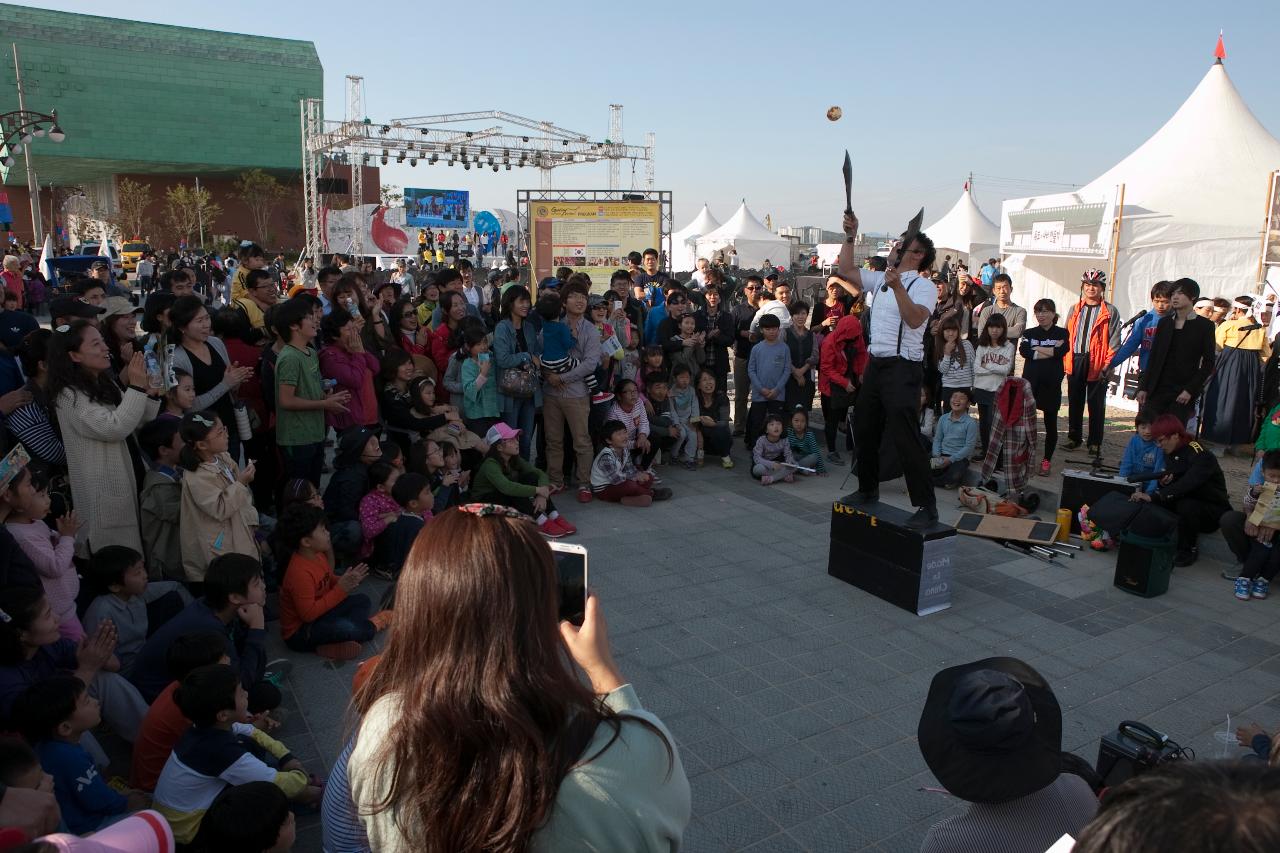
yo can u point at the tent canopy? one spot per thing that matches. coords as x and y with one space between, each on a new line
753 242
1193 192
965 229
684 243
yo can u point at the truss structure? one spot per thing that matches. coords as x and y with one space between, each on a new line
433 140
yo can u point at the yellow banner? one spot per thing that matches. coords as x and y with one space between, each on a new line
592 237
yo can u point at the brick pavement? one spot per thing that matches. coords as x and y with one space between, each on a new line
794 697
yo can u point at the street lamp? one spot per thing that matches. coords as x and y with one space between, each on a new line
20 127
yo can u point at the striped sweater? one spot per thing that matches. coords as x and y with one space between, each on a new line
955 374
636 421
806 445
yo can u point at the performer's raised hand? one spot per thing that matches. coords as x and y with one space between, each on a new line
892 278
850 224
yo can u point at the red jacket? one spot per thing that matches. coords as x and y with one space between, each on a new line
833 364
1104 338
354 372
440 352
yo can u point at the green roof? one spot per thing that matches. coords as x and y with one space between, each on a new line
135 97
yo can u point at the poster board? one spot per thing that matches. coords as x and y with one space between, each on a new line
593 237
1064 225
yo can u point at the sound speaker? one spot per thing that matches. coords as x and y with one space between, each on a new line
333 186
1132 749
1143 565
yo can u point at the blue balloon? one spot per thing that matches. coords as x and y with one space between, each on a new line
486 223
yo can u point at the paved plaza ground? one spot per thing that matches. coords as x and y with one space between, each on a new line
794 697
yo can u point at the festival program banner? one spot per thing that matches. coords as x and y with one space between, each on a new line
1271 247
593 237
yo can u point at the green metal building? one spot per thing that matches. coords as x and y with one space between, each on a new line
139 98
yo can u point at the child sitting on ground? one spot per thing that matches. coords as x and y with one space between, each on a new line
771 458
165 722
137 608
217 515
1263 561
804 443
954 438
682 404
451 429
614 476
358 448
377 508
412 493
250 818
557 341
320 611
20 767
26 502
663 431
1142 455
52 715
161 502
211 756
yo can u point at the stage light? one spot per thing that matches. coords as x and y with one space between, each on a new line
385 129
425 131
564 143
525 138
384 159
413 161
447 148
56 133
508 167
469 134
467 166
481 149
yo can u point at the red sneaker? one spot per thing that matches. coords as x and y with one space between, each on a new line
564 525
551 530
584 495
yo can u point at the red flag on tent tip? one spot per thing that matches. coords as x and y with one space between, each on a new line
966 186
1220 51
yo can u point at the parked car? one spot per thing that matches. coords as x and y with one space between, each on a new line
131 253
92 248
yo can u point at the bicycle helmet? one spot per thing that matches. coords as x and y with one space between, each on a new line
1094 276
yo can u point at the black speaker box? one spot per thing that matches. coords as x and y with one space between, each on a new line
874 550
1081 487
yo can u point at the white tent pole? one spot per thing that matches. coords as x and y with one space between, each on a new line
1266 230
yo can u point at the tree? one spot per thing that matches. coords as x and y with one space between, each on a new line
132 200
186 209
390 194
261 193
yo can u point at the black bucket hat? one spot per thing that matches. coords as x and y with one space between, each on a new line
991 730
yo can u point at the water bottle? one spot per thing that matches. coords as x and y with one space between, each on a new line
154 376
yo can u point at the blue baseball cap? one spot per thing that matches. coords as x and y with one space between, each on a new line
549 281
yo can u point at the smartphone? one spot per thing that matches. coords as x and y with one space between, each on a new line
617 305
571 579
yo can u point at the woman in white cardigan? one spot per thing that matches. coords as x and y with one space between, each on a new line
97 418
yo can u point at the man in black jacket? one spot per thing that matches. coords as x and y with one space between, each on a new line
1182 357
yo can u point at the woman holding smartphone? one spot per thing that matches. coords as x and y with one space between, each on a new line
527 757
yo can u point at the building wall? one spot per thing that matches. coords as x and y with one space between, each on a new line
286 230
135 97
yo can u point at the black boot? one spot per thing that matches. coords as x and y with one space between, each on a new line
925 517
861 498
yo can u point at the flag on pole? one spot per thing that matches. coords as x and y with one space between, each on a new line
104 247
966 186
1220 52
46 253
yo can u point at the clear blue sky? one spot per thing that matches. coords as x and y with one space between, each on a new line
737 91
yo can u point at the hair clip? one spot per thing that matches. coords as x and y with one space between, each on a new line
483 510
202 420
63 329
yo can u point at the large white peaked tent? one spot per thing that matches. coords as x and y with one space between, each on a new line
965 230
1193 206
684 243
753 242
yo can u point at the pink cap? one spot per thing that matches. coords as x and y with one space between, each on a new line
500 432
144 832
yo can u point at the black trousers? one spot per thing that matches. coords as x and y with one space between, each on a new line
1167 404
1232 526
889 403
1081 392
832 417
1195 517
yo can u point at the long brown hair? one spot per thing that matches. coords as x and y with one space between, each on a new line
491 716
940 341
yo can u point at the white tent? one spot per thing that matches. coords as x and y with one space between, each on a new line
1194 194
965 230
753 242
684 243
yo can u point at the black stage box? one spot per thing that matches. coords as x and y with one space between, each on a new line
1081 487
872 549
